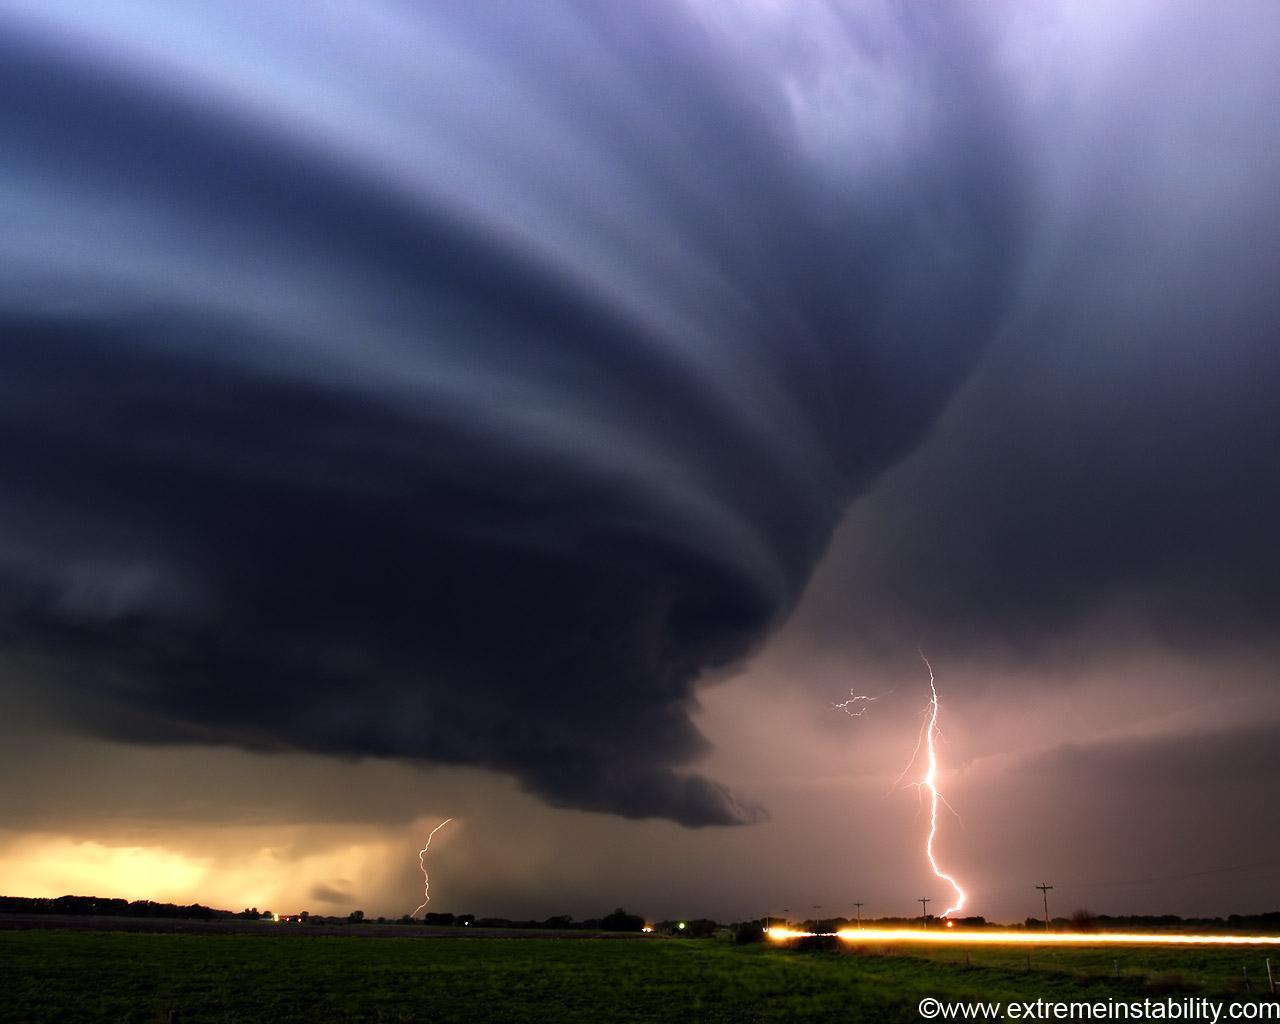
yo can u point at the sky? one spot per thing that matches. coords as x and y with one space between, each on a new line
543 415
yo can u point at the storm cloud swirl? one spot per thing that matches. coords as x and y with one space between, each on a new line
461 386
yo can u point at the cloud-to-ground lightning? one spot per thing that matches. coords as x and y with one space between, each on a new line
422 863
927 738
856 706
929 782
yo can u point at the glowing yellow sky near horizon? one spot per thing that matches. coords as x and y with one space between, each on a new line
957 936
55 866
268 871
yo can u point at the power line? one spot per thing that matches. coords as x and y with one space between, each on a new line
1044 888
1113 883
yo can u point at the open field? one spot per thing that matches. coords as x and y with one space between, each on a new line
48 975
1188 970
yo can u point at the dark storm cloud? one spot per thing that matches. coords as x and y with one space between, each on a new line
461 388
1112 468
1180 763
1140 818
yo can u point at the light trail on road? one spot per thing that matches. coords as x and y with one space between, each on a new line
996 937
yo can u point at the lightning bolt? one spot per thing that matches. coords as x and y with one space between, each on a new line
929 783
856 705
422 863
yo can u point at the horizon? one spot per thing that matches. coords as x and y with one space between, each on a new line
1084 920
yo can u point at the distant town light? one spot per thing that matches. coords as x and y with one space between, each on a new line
681 926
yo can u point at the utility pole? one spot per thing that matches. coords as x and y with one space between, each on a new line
1044 888
858 904
924 902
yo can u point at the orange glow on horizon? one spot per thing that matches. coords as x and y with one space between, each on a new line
56 866
274 867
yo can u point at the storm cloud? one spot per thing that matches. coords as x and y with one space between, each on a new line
1108 477
462 387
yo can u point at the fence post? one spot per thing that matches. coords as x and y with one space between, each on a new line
1247 987
1271 981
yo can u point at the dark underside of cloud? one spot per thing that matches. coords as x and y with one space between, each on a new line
332 893
473 421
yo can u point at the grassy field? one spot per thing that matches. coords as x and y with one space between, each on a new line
58 976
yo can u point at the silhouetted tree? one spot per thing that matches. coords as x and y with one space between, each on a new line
356 916
1082 920
621 921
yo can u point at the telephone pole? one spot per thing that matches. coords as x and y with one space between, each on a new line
924 902
1044 888
858 904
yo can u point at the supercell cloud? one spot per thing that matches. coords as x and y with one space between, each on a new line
461 386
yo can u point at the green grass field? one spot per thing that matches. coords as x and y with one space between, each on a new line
57 976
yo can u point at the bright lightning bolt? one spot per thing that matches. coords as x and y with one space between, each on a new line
929 782
422 863
856 706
